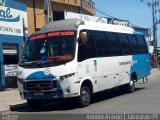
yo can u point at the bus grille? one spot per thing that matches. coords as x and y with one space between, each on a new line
40 85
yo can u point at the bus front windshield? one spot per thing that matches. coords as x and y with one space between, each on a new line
50 48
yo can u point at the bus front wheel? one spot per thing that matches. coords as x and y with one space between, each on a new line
85 96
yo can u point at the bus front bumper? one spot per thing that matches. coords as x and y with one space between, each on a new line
42 95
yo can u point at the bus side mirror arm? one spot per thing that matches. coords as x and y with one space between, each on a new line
23 44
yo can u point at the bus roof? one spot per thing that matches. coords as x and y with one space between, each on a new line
74 23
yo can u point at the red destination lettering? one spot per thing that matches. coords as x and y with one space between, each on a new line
53 34
67 33
40 36
32 38
37 37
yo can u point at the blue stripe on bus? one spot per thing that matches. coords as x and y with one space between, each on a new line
141 65
39 75
138 33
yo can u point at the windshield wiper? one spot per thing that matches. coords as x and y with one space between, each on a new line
37 62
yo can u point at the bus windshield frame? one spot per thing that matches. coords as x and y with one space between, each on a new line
49 49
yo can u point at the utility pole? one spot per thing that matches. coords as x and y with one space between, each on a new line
34 12
154 5
48 11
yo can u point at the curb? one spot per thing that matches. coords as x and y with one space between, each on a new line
15 107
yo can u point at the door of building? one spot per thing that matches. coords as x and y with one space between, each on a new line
10 60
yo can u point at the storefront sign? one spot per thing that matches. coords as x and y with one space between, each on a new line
70 2
118 22
6 16
11 70
68 15
12 20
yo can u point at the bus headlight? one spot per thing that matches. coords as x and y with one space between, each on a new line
66 76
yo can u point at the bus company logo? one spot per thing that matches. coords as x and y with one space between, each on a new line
128 63
2 2
5 13
47 71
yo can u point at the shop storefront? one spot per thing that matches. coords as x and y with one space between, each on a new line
13 30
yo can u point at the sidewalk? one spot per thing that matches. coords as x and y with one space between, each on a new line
10 99
154 73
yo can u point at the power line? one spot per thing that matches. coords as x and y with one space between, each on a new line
108 14
98 11
113 17
105 14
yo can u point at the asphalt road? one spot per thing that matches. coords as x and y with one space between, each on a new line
145 100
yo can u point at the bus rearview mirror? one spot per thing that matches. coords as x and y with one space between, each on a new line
83 37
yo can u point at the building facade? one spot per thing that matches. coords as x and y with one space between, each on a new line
13 26
36 10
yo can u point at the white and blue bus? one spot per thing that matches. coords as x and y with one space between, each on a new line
75 58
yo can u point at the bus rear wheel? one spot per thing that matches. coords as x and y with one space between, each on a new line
34 103
131 86
85 96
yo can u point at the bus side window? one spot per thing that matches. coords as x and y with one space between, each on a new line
142 44
125 48
80 51
100 40
114 44
133 44
86 50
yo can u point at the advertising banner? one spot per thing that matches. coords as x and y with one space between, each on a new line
12 21
106 20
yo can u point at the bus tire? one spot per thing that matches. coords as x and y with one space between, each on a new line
85 96
34 103
131 86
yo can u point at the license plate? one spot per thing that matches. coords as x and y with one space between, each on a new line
38 93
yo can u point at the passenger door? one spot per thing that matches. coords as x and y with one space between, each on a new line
100 63
86 59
